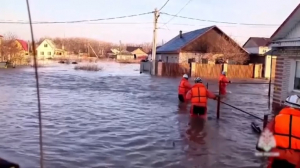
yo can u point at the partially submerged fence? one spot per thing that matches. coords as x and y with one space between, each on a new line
172 69
206 70
209 70
265 116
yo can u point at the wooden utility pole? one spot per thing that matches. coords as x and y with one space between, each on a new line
154 63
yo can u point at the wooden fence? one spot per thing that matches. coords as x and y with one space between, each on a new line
240 71
206 70
209 70
172 69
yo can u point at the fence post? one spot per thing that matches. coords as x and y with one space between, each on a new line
219 102
265 120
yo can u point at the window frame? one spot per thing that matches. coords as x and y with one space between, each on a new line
293 76
42 53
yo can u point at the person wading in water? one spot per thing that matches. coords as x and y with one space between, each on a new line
183 88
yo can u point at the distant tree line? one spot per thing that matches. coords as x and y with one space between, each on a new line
76 45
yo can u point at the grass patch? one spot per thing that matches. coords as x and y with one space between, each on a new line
88 67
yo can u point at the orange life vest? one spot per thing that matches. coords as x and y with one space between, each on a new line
199 95
181 88
287 129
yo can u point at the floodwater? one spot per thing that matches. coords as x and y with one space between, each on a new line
120 118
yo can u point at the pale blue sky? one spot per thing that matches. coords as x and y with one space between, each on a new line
240 11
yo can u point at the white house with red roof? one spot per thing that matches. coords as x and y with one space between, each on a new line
285 43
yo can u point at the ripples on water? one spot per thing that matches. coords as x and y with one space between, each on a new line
120 118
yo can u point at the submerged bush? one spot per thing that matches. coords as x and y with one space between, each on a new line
88 67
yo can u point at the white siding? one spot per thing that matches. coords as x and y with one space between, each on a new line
268 66
252 50
294 33
263 50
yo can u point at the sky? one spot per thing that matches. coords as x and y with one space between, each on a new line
139 29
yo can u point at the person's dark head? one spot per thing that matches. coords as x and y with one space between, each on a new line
186 76
198 80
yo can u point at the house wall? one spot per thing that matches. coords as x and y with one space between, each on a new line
294 33
252 50
138 52
268 66
48 51
263 49
125 57
284 77
169 58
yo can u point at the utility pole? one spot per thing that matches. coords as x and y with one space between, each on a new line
154 63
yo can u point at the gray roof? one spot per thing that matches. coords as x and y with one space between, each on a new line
175 44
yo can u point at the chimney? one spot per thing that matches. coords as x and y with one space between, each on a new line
180 34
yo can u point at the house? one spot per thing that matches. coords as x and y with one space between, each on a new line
112 53
136 51
22 46
285 43
125 55
150 53
204 45
131 53
47 49
257 47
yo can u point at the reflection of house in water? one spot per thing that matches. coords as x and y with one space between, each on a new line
47 49
205 45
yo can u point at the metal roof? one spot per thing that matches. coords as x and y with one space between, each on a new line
289 23
258 41
175 44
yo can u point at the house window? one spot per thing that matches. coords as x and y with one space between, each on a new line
42 53
49 53
45 45
297 76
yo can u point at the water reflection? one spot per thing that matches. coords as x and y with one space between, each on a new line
196 132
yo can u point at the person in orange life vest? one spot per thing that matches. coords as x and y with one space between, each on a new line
198 96
223 81
183 88
285 129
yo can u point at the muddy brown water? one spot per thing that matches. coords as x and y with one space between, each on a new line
119 118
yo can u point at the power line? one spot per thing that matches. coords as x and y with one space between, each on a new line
76 21
213 21
164 5
178 12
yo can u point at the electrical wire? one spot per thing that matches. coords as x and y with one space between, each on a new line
37 89
164 5
178 12
213 21
76 21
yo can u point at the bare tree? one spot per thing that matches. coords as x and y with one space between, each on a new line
221 45
11 51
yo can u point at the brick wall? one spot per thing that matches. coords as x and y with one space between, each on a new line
283 74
